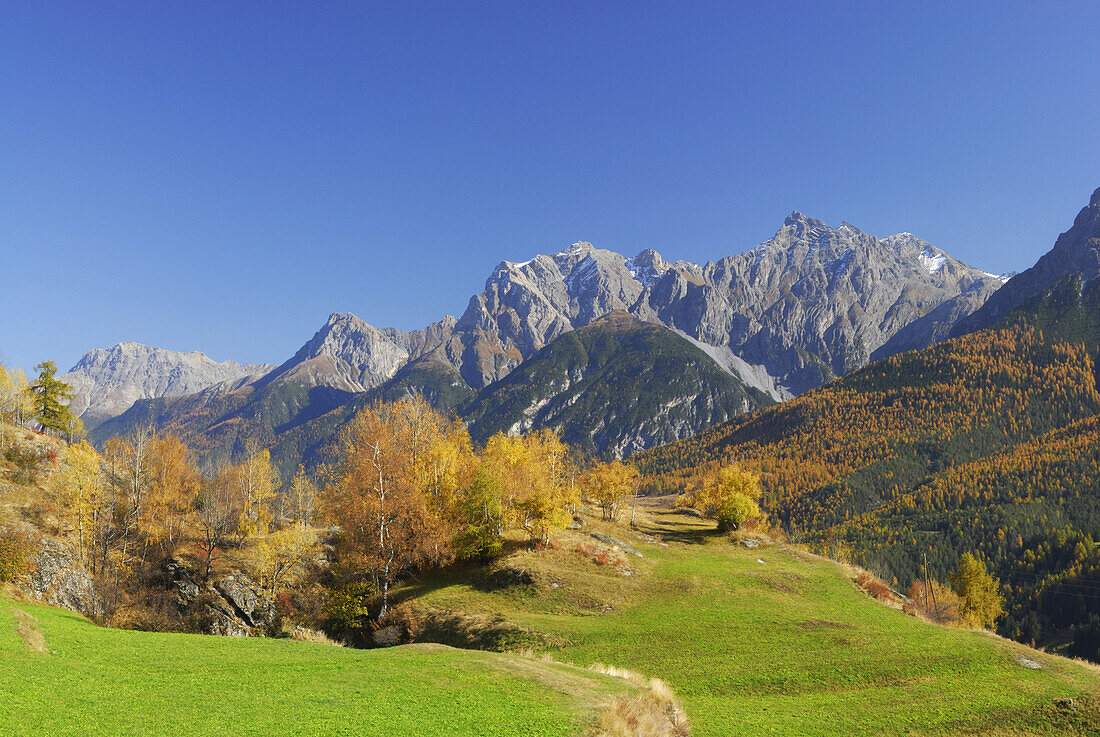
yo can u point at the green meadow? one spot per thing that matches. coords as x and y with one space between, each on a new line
96 681
774 641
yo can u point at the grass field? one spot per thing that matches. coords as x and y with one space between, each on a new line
773 641
770 641
95 681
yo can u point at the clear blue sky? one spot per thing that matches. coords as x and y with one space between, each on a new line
220 176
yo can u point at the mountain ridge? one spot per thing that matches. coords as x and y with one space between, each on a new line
107 381
782 317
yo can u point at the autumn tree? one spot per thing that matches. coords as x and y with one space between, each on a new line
728 495
127 467
255 483
936 601
609 485
77 489
505 461
534 474
217 514
173 486
50 401
16 398
481 517
981 601
301 497
383 502
282 555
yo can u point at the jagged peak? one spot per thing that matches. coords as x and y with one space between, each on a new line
648 257
133 349
803 223
343 317
1095 200
576 248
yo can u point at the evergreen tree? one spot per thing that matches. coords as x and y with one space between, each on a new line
51 396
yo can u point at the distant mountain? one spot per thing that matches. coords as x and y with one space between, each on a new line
811 303
615 386
106 382
786 316
1076 252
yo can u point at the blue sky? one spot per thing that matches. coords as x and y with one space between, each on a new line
222 176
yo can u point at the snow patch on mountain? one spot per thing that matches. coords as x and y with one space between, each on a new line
931 260
645 274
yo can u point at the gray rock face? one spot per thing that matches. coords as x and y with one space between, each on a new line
810 303
346 354
1077 251
107 382
232 605
58 578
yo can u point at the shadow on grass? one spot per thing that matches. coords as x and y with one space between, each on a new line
480 574
675 527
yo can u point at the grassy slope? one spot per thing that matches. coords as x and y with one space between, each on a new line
784 647
101 681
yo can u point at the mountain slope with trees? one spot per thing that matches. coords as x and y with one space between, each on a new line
614 387
986 442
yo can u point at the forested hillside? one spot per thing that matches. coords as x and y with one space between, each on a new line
613 387
987 442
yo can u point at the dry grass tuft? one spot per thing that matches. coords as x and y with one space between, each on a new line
27 627
654 712
304 634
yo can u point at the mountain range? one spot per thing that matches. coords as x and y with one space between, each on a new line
809 304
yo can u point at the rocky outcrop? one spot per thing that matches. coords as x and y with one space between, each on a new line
231 605
107 382
58 578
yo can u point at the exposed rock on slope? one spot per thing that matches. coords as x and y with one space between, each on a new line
106 382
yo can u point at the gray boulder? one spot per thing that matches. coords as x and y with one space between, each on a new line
59 579
608 540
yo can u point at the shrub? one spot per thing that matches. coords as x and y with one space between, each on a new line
25 462
728 495
17 551
874 587
935 602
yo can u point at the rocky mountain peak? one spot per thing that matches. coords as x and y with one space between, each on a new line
346 353
576 249
647 267
107 381
1095 197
